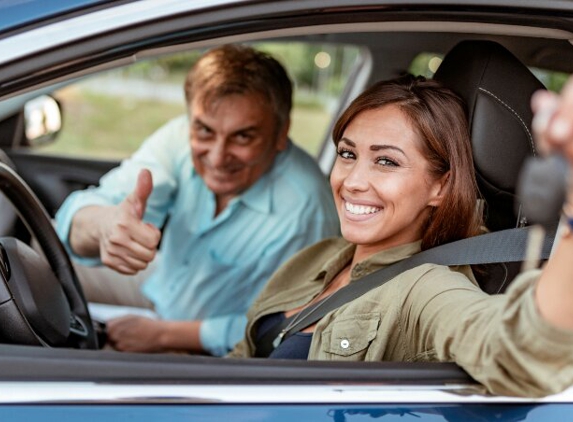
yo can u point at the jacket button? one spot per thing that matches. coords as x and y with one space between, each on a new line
345 344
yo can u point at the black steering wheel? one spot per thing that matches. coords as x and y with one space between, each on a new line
41 300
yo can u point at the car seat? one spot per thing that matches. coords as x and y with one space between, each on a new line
497 89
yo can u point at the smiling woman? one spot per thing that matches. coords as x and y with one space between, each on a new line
433 151
402 175
382 185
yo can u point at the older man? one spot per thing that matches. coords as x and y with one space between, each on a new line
245 202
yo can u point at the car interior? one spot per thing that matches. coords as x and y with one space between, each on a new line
490 72
500 124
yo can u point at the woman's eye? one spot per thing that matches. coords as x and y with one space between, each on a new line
344 153
386 162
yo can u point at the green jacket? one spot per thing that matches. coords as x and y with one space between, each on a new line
429 313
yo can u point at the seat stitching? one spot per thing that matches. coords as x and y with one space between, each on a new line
532 144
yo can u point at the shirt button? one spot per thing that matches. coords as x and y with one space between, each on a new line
345 344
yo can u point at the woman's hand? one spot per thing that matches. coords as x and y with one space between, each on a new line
553 121
553 128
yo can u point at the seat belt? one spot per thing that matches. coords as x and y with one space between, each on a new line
497 247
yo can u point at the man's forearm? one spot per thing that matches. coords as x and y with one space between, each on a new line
84 234
181 335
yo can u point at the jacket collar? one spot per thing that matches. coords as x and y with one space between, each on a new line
379 260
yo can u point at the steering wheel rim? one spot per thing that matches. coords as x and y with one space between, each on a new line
35 217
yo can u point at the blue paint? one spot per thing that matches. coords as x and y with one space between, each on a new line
18 13
280 413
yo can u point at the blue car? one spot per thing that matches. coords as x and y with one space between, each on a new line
76 77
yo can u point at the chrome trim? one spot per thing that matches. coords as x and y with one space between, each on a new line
86 392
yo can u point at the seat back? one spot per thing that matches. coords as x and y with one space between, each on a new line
497 89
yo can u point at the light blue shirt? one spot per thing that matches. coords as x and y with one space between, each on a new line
211 268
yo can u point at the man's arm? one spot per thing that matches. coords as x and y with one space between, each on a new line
80 228
139 334
117 233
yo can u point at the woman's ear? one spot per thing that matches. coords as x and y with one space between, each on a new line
438 190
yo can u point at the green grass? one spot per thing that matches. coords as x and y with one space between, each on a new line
107 127
103 126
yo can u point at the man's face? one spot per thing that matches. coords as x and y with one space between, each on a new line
233 142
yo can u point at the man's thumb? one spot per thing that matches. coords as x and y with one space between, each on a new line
141 192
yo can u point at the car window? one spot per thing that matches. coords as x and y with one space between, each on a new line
108 115
425 64
552 80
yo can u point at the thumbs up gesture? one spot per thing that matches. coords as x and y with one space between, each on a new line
126 243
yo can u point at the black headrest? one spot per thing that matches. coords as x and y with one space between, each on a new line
497 89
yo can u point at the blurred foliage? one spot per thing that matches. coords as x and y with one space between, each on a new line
421 64
297 58
103 126
553 81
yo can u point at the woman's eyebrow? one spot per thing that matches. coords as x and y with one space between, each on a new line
374 147
348 141
383 147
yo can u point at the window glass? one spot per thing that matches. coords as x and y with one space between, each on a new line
552 80
110 114
425 64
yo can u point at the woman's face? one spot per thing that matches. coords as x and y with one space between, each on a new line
380 181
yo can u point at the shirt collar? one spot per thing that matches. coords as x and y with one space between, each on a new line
259 196
377 261
384 258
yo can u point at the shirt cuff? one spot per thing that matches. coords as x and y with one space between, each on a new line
219 335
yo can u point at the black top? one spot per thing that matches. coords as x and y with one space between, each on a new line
293 347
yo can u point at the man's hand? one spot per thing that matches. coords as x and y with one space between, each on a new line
139 334
126 243
135 334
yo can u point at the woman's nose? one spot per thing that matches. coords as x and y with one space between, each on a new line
357 178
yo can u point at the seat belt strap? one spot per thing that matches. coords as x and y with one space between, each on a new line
490 248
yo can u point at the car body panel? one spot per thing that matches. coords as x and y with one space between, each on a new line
26 13
286 413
